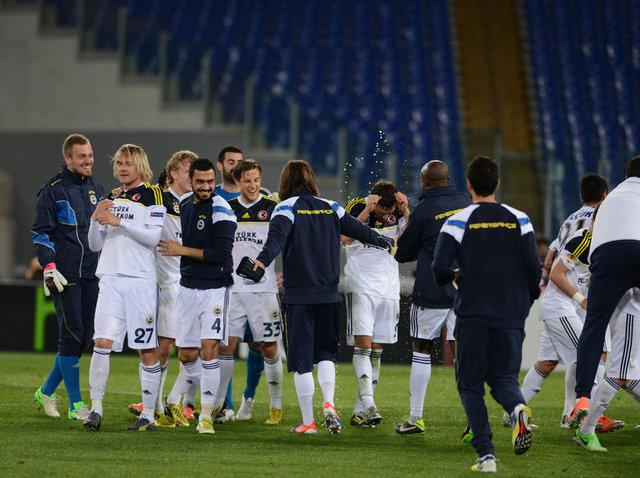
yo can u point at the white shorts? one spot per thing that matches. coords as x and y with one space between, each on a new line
372 316
625 347
426 323
127 306
168 311
559 339
203 315
261 310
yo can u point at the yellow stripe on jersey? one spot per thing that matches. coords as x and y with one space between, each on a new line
583 245
157 193
56 181
353 202
270 199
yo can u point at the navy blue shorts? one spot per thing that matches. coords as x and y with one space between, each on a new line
312 333
75 308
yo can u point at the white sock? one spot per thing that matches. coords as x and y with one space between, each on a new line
305 387
363 371
150 383
327 380
359 407
179 387
532 383
190 395
98 375
569 389
633 389
273 374
226 372
209 385
418 381
599 377
599 402
376 355
163 378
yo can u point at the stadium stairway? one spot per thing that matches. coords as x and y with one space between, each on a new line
495 105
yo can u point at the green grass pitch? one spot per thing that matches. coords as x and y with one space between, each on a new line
35 445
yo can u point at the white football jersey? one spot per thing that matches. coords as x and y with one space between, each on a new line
580 219
251 234
371 270
556 303
169 266
122 255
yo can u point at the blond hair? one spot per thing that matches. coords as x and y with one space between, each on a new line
176 161
71 141
139 159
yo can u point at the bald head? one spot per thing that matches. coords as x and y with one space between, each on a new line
434 174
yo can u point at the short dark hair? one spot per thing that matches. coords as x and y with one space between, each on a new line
201 164
162 179
387 192
633 167
244 166
483 175
592 187
228 149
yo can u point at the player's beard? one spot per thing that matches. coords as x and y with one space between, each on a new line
203 195
227 177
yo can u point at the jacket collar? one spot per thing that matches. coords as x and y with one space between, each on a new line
71 176
443 191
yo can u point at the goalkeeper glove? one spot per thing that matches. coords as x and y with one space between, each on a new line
54 282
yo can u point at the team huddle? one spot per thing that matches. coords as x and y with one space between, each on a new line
162 265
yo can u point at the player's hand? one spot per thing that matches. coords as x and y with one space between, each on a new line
258 264
280 281
117 191
584 304
371 202
548 260
169 248
403 203
104 205
54 282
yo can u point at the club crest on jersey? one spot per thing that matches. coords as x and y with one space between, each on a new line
274 313
391 219
135 197
93 199
149 318
217 310
176 207
262 215
200 224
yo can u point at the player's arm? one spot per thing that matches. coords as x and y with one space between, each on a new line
352 227
531 263
279 230
549 258
403 205
44 225
410 240
362 215
558 276
444 257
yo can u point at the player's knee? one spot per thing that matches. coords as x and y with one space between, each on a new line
187 355
104 343
269 349
621 382
422 346
546 366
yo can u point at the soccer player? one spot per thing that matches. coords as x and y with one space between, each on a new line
593 190
560 309
254 304
228 159
308 229
432 305
206 264
60 228
168 273
127 230
615 261
372 285
497 274
624 370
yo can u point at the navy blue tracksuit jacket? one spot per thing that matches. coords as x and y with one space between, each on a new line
418 241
